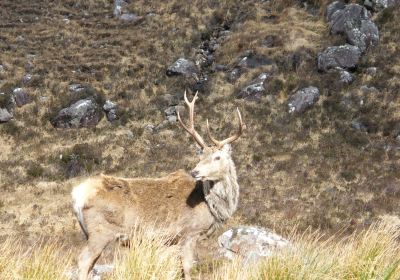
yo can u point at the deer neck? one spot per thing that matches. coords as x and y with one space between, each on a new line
222 196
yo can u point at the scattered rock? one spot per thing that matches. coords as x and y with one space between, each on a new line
5 116
332 8
111 110
83 113
368 90
77 88
21 97
346 77
303 99
377 5
182 67
371 71
346 57
362 33
250 243
351 12
254 91
29 66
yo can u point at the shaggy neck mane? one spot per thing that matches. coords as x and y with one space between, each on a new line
222 196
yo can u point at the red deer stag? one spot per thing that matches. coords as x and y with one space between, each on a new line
108 207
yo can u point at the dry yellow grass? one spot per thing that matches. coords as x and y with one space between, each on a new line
371 254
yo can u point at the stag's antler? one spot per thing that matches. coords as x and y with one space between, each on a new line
220 144
190 128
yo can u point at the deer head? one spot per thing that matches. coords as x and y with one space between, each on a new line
215 161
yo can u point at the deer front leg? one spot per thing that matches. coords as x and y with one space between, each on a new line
188 256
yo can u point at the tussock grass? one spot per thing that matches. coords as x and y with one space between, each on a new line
45 261
148 258
370 254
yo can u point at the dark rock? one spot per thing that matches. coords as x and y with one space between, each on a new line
303 99
29 66
111 110
350 12
378 5
5 116
83 113
361 33
200 84
252 60
346 57
182 67
250 243
255 90
21 97
332 8
219 68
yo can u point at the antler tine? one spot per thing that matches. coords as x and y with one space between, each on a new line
220 144
190 128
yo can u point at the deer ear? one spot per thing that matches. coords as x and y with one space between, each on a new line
227 148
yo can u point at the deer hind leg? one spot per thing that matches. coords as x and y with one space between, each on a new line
188 256
91 253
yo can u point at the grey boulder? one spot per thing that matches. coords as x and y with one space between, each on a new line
332 8
345 57
338 18
5 116
250 243
362 33
182 66
83 113
377 5
303 99
255 90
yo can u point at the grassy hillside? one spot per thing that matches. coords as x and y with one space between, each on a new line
312 170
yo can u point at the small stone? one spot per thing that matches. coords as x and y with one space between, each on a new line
21 97
371 71
170 111
5 116
255 90
172 119
368 90
303 99
182 67
234 74
109 105
76 88
346 77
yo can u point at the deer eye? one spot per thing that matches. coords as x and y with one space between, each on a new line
217 158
